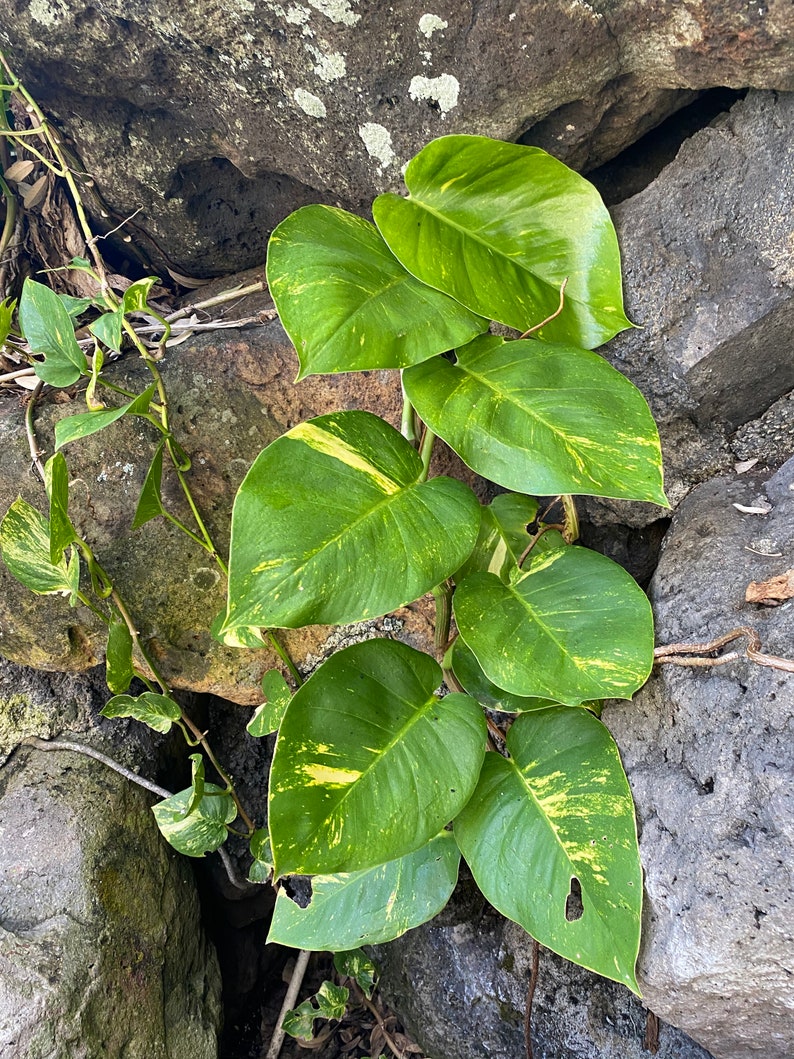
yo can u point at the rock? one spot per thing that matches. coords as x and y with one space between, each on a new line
460 983
709 757
709 276
102 953
224 117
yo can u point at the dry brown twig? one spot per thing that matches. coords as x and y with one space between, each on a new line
704 654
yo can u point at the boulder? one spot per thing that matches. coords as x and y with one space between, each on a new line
210 122
709 757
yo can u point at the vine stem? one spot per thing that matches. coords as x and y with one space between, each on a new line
281 651
30 429
681 654
426 452
408 419
381 1024
295 982
443 596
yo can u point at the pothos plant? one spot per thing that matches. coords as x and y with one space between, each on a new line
380 781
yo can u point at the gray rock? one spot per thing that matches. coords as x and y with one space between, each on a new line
709 757
218 119
102 953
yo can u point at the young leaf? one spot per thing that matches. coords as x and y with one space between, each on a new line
542 419
150 504
75 306
137 294
197 784
238 636
49 330
84 423
158 711
118 659
299 1022
369 764
201 831
270 714
500 227
56 482
331 1000
503 536
97 363
107 328
372 906
7 306
334 524
560 809
577 625
475 683
347 303
262 867
25 543
357 965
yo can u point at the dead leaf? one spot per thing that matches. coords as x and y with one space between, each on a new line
36 194
744 465
771 592
19 170
193 282
761 507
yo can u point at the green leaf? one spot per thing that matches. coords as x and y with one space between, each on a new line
575 627
270 714
239 636
299 1022
118 659
542 419
332 1000
500 226
7 306
372 906
84 423
56 483
48 328
107 328
503 536
200 831
97 363
347 303
334 524
262 867
150 504
75 306
137 294
369 764
197 784
560 809
475 683
158 711
25 543
357 965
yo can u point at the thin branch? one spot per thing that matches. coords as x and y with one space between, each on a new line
553 316
30 430
683 654
88 751
293 989
381 1024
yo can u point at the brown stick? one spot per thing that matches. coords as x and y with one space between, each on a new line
553 316
677 654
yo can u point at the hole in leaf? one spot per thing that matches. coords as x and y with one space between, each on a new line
574 909
298 888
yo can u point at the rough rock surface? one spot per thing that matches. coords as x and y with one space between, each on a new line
219 118
101 949
709 756
460 985
709 276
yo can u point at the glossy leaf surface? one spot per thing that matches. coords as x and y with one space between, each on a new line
348 304
56 482
475 683
25 543
542 419
500 226
84 423
49 330
503 535
333 524
373 906
107 328
355 964
270 714
150 504
200 831
560 809
369 763
575 627
157 711
118 659
262 866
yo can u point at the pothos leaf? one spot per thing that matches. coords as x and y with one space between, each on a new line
118 659
201 830
269 715
25 543
158 711
48 329
85 423
150 504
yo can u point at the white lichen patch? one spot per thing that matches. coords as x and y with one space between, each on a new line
46 12
309 103
328 67
338 11
430 24
297 16
377 141
443 90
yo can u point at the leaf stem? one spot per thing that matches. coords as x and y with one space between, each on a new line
284 656
408 420
443 596
426 452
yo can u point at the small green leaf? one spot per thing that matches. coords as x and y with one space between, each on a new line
158 711
332 1000
197 784
299 1022
560 809
200 831
372 906
369 763
577 625
269 715
48 329
357 965
75 306
262 867
107 328
500 226
118 658
7 306
150 504
348 304
25 543
239 636
503 536
475 683
137 294
85 423
56 483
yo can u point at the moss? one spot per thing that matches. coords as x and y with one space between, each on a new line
19 718
507 1013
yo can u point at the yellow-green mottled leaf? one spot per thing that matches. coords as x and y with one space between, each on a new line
542 418
560 809
118 658
158 711
25 544
348 304
107 328
357 965
200 831
270 714
373 906
503 536
262 867
56 482
475 683
369 763
48 328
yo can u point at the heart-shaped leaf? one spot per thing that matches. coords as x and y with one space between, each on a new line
347 303
204 828
355 964
150 504
575 627
270 714
107 328
500 227
369 763
158 711
503 536
542 419
560 809
49 330
372 906
25 543
262 867
334 524
474 682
